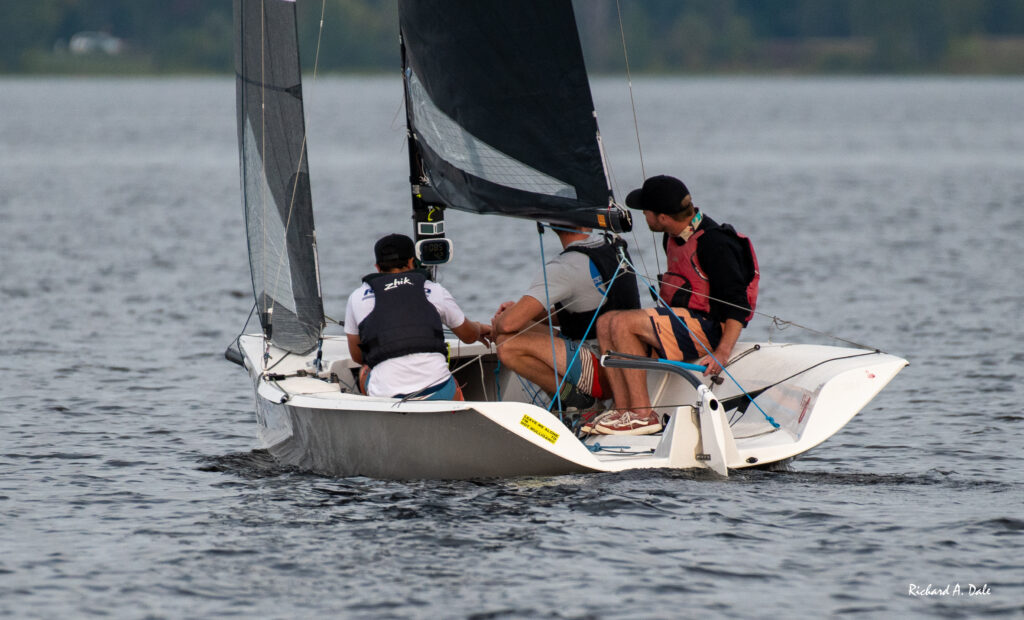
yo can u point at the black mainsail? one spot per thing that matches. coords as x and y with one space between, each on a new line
500 112
275 176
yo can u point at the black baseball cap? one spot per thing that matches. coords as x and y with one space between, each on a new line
394 247
660 194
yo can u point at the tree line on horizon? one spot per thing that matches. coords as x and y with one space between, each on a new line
694 36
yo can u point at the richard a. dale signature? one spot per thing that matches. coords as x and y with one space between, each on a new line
951 589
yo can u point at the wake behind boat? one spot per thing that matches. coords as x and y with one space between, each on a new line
501 121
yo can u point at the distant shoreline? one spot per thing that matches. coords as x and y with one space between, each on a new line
593 76
974 56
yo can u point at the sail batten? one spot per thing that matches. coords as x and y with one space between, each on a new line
274 174
500 110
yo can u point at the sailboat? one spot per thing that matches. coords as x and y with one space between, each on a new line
500 121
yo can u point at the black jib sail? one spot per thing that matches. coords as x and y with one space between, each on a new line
500 111
275 176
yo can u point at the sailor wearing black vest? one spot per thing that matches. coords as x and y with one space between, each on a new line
575 286
394 326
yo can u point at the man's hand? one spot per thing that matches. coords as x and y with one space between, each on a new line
501 309
485 333
711 361
730 335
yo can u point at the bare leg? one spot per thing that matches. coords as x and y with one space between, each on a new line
616 382
630 333
528 354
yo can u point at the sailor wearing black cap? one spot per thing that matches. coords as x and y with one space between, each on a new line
706 297
394 327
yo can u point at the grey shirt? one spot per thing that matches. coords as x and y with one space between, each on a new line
572 279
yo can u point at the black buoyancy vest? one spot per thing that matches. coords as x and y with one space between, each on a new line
403 321
623 295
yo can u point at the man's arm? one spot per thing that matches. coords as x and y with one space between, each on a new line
353 348
472 331
513 318
518 316
730 335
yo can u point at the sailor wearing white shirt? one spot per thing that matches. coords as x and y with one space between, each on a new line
394 327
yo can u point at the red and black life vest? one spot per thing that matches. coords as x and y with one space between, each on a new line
403 321
685 285
622 296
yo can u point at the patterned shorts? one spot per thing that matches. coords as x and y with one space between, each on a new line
684 335
583 373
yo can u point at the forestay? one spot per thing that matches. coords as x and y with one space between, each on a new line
275 176
500 110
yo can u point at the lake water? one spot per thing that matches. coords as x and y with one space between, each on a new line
889 212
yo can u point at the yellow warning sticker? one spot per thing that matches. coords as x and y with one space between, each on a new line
539 428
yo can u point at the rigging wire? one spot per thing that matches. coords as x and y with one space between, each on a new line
547 304
636 130
630 268
710 353
575 356
736 418
263 160
546 317
629 80
238 338
776 321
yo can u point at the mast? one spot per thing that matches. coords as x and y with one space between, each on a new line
427 206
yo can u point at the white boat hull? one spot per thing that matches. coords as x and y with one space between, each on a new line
319 426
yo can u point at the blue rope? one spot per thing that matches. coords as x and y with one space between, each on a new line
597 447
710 354
547 306
686 365
608 288
497 382
533 394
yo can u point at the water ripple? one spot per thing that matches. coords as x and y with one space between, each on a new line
130 486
